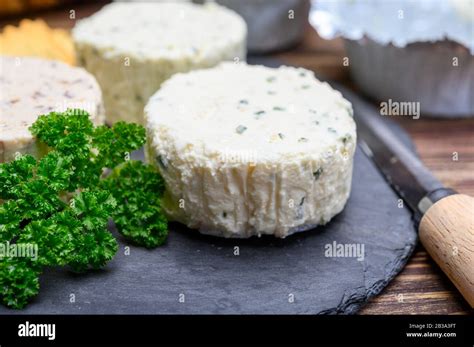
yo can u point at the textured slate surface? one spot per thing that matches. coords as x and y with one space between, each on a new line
266 275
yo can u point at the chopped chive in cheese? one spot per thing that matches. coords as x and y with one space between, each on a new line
162 162
240 129
345 139
317 173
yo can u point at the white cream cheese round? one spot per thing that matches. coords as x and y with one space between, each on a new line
132 48
250 150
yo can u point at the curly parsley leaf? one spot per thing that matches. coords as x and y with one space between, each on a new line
19 282
138 216
15 173
115 143
93 244
67 132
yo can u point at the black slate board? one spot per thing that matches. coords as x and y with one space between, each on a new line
270 275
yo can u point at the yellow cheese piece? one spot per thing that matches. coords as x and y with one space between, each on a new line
36 38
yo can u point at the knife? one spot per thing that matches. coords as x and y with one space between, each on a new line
445 219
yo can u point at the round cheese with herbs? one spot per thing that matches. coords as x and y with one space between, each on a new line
132 48
30 87
249 150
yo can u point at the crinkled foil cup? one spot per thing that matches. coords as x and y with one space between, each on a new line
440 75
272 24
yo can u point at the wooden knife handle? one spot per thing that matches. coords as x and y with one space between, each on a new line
447 232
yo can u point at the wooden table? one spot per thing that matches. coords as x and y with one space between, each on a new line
421 288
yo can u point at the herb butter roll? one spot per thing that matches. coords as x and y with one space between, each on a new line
30 87
249 150
132 48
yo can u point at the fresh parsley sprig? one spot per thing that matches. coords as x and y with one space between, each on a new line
62 202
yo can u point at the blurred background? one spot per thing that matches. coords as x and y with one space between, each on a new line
404 50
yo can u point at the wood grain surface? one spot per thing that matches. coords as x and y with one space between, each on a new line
421 288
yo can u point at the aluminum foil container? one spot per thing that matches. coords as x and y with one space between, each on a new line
269 25
407 51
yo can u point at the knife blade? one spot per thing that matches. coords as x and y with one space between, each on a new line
445 218
405 172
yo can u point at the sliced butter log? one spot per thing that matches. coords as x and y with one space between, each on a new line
30 87
131 48
249 150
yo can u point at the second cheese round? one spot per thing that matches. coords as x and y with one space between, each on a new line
30 87
132 48
250 150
